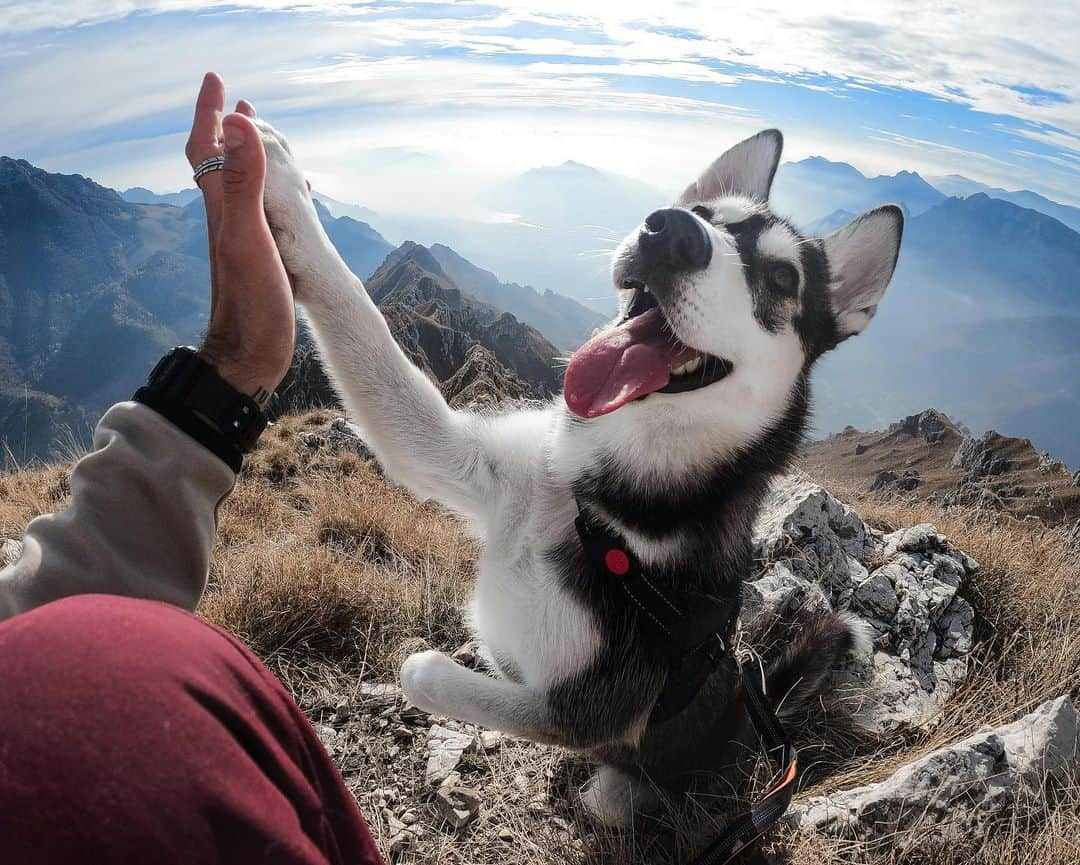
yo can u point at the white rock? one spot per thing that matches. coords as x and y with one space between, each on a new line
778 591
10 550
403 841
381 691
328 736
957 789
457 805
818 554
445 749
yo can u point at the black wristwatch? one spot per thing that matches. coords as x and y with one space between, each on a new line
187 390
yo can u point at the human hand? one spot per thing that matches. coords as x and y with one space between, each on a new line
252 329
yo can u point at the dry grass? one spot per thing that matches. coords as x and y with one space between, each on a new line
321 560
333 576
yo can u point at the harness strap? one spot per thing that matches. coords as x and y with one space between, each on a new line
698 632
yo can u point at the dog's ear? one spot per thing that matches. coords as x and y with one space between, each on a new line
862 257
747 169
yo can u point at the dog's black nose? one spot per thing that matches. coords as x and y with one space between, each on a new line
674 239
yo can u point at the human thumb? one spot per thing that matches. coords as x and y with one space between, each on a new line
245 165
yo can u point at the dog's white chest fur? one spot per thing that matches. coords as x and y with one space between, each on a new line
531 625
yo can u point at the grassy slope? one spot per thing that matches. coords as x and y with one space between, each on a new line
333 576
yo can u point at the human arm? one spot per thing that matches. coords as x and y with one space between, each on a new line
142 514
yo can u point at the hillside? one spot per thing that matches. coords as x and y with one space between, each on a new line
983 310
91 288
564 321
361 247
333 576
927 458
994 253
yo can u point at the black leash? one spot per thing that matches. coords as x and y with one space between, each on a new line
698 630
746 828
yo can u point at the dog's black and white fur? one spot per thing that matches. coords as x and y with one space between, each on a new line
679 475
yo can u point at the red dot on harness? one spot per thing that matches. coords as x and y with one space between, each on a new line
617 562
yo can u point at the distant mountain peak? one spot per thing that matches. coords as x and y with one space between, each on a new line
570 167
142 195
40 186
820 163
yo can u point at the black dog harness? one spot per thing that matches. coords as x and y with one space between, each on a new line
697 631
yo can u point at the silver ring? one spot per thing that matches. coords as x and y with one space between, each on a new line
214 163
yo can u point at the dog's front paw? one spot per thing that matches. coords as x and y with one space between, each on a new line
425 677
289 206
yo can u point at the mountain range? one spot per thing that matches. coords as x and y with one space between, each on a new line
95 287
981 320
957 185
439 325
811 188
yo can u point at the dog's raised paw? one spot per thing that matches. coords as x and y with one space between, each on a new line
423 677
289 207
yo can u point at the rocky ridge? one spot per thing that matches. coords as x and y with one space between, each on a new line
927 457
439 326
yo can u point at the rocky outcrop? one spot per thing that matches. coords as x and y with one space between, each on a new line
973 492
889 480
958 789
930 425
340 436
10 550
903 587
1047 465
926 457
446 747
978 459
482 381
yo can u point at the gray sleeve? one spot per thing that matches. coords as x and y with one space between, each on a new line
141 520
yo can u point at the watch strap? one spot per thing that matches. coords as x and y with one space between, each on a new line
187 390
194 426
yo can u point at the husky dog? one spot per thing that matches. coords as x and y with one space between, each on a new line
674 419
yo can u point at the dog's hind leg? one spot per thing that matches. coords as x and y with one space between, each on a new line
615 797
435 451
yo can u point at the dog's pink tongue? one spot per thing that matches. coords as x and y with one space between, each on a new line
620 365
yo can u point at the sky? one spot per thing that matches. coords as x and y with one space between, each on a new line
399 105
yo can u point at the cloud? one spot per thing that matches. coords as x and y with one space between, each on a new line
87 77
956 51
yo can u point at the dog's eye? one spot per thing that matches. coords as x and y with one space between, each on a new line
784 278
705 213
